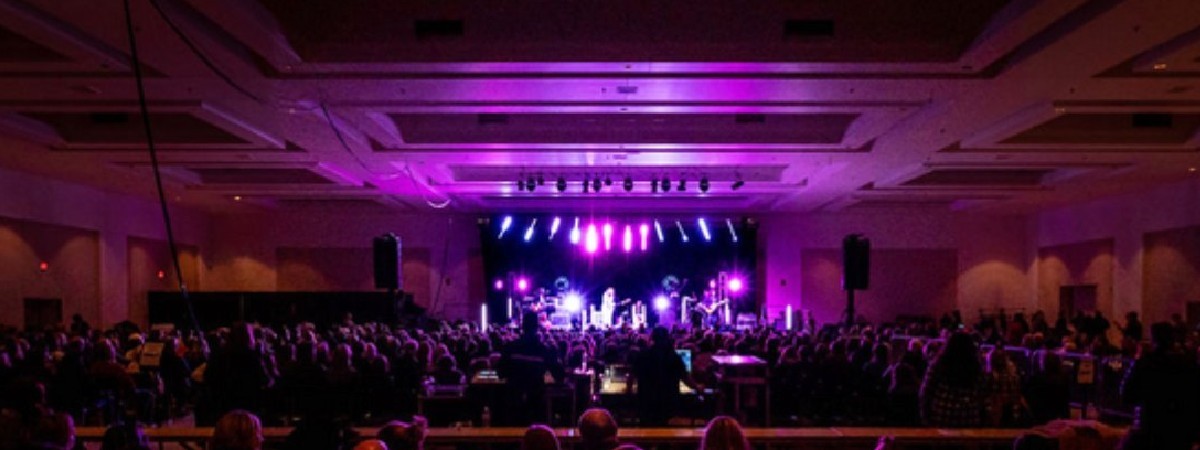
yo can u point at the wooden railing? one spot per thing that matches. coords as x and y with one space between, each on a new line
849 438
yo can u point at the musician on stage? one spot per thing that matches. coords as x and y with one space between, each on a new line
705 314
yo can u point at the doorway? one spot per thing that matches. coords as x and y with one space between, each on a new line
1076 298
42 313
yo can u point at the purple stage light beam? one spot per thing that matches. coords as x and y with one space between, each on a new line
608 231
592 241
644 233
627 239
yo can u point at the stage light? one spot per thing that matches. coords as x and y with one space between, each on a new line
504 225
704 229
541 180
499 284
160 274
522 284
644 233
682 234
529 231
608 236
735 285
607 180
483 321
585 185
554 227
627 239
738 185
654 186
712 284
520 185
658 230
529 184
561 184
595 185
666 184
662 303
574 236
572 302
628 184
43 266
732 231
682 185
787 318
704 185
592 240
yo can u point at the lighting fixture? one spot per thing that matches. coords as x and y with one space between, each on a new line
682 234
607 180
644 234
520 185
661 303
658 230
654 186
732 231
574 236
541 180
738 185
704 185
530 184
504 226
529 231
628 184
572 302
704 229
585 186
627 239
682 184
608 231
554 227
592 239
561 184
523 284
596 184
666 184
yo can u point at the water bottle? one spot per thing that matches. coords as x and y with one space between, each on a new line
486 417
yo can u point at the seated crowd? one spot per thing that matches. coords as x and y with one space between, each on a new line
943 373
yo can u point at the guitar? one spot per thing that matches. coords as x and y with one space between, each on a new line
708 310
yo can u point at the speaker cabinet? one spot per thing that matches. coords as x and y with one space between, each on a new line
856 262
387 261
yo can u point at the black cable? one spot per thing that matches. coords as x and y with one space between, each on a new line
342 139
162 197
199 54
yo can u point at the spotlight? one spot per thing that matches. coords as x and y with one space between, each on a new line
499 284
738 184
574 236
654 186
666 184
596 184
682 185
530 184
704 185
572 302
522 284
520 185
608 231
585 185
592 239
561 184
658 230
732 231
704 229
554 226
735 285
682 234
541 180
627 239
607 180
662 303
504 225
628 184
529 231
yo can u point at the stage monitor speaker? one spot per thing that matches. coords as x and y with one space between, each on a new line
387 261
856 262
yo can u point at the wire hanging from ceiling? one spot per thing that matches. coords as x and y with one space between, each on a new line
199 54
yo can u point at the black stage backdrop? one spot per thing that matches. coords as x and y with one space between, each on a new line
636 274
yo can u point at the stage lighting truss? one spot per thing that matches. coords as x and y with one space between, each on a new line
595 183
618 235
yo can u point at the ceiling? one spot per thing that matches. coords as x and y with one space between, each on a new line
988 105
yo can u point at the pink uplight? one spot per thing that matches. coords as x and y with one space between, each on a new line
608 231
499 284
644 232
522 284
627 239
591 240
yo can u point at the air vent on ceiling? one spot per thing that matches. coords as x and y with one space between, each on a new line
491 119
1153 120
807 28
435 29
627 90
109 118
750 118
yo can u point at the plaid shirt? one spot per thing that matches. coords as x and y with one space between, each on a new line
944 405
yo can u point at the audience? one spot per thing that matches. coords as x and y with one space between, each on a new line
371 444
724 433
1164 385
404 435
124 436
237 430
539 437
954 393
597 430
